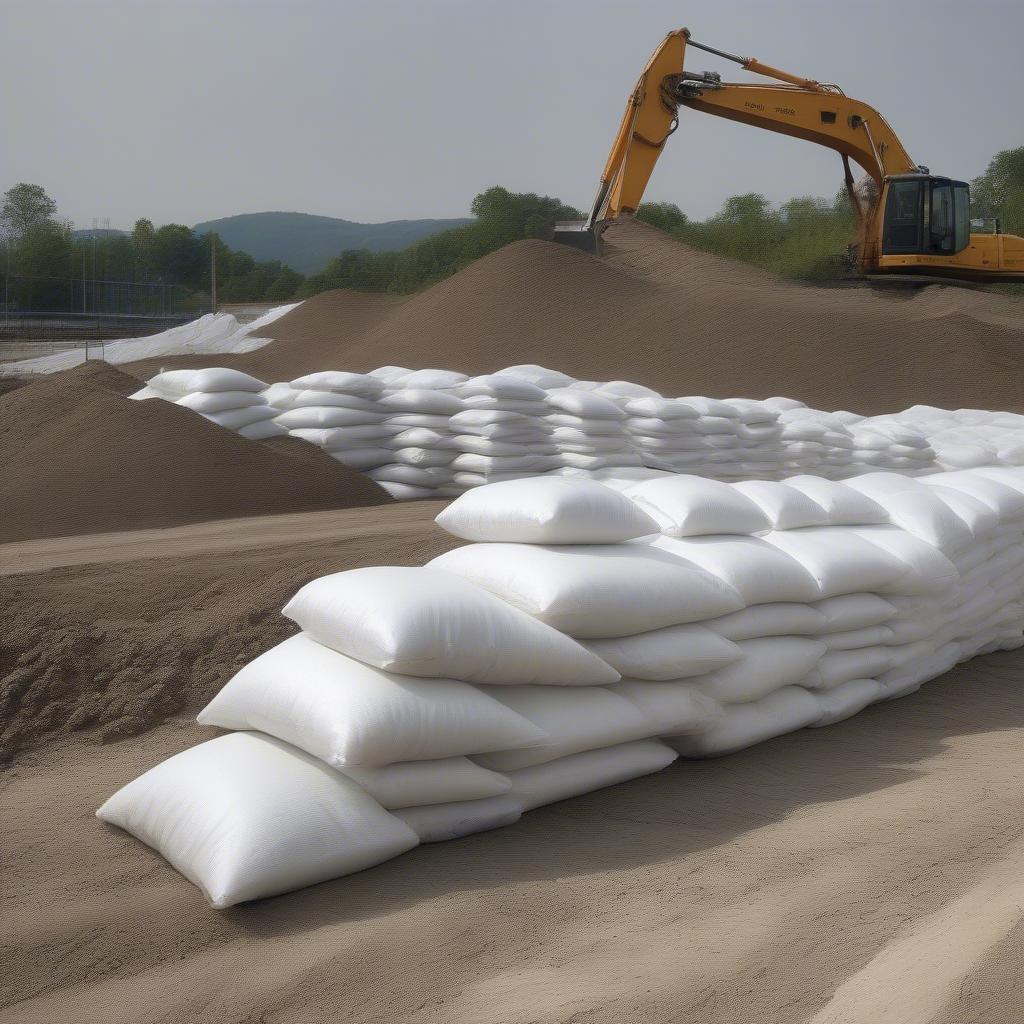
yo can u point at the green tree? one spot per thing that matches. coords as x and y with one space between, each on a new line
25 207
999 192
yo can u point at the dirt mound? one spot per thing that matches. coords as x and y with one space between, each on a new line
655 311
117 647
79 457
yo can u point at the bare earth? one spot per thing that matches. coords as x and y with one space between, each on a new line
867 872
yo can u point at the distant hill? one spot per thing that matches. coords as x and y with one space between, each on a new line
306 242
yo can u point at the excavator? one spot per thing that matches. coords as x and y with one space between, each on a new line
909 221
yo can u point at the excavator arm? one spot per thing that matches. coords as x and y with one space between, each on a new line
804 109
799 107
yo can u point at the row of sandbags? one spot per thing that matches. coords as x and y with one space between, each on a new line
438 433
431 433
583 637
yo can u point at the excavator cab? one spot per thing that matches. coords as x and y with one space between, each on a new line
925 216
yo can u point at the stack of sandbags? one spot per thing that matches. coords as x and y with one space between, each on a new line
500 434
552 654
588 429
963 438
229 398
339 412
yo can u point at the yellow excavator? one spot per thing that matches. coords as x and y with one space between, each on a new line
909 221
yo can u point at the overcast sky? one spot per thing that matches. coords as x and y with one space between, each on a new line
383 109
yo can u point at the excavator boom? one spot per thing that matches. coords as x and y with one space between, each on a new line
910 221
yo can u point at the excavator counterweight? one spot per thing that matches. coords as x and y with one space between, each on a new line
910 222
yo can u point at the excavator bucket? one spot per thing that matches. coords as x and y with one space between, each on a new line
579 234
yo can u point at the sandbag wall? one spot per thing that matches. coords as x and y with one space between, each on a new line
437 433
582 638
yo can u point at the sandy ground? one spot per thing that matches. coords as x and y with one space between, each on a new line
865 872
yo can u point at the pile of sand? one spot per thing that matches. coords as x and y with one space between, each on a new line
80 457
657 312
160 621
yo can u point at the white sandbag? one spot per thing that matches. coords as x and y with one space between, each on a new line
855 611
840 561
687 506
280 395
428 379
361 384
178 383
743 725
415 783
545 510
838 667
437 823
314 417
931 572
146 393
980 518
781 619
759 572
388 374
362 458
335 439
846 700
765 664
422 458
470 462
671 708
348 713
407 492
411 437
220 401
262 431
511 388
584 404
539 375
594 591
413 476
425 622
574 718
583 773
1007 502
463 443
596 462
334 400
786 507
439 424
843 505
669 409
869 636
591 427
235 419
920 512
626 389
246 816
421 400
674 652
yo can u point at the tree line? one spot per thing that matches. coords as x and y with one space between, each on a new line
805 239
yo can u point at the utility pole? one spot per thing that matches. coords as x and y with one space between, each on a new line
213 272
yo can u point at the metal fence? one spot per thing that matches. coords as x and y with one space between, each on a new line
83 296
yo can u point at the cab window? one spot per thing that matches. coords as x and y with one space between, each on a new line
940 237
961 215
903 209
